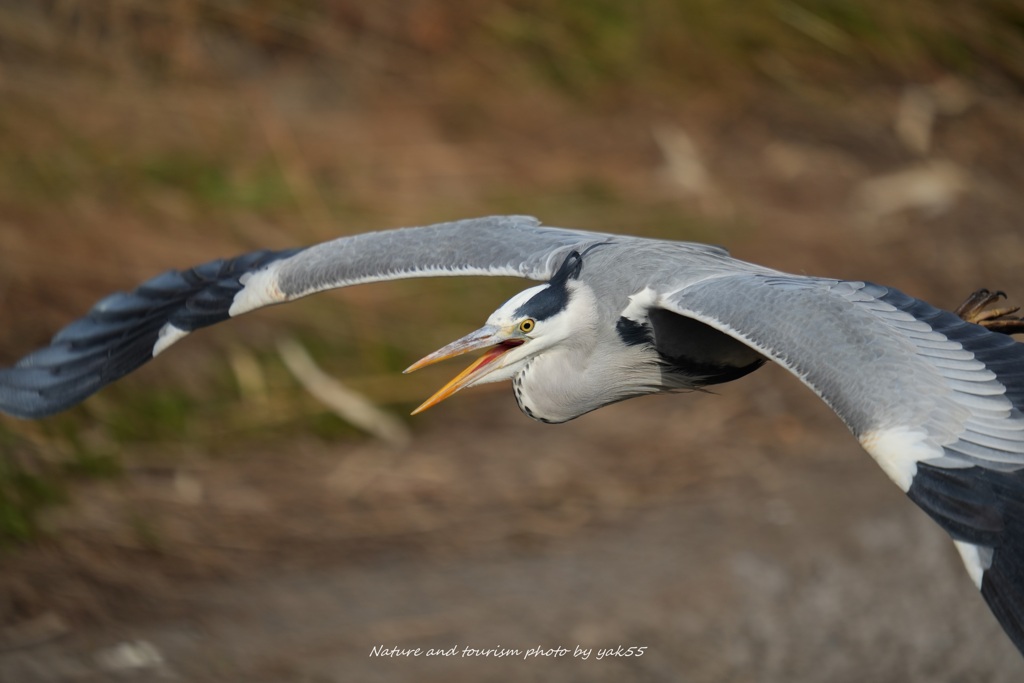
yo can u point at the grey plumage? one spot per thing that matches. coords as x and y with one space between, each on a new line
935 400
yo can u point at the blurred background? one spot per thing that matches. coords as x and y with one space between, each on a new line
209 519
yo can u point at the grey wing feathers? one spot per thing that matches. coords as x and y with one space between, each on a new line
883 360
127 329
499 245
935 400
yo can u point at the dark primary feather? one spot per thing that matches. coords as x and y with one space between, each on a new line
986 508
1000 353
980 505
118 334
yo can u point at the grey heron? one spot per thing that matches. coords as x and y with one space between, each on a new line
937 401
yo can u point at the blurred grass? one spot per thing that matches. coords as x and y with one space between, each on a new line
576 45
207 182
37 471
188 129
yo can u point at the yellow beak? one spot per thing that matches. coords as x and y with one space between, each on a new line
487 336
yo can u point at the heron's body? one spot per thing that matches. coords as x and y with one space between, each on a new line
629 353
938 402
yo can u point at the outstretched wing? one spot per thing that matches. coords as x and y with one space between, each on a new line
936 401
127 329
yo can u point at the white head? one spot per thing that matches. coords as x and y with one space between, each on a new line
532 321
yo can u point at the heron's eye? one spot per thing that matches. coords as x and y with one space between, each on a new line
527 326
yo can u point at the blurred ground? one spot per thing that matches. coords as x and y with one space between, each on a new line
219 524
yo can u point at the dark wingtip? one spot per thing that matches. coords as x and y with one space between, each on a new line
1003 590
119 334
983 507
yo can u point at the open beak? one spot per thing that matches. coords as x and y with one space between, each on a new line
487 336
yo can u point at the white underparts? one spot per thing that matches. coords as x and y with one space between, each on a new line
168 335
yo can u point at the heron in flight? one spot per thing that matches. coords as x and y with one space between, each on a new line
936 400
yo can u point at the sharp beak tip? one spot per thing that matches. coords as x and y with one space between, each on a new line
467 376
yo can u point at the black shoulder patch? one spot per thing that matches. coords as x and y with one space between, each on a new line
633 333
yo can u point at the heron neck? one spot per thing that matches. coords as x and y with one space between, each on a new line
568 381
